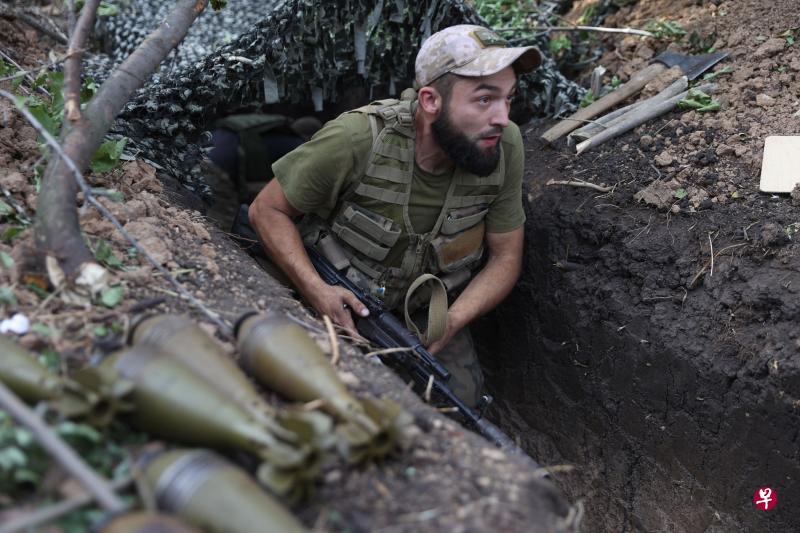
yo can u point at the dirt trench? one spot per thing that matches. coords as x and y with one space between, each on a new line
675 404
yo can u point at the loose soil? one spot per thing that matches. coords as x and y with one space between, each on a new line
669 379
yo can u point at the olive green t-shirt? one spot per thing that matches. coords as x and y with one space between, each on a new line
315 174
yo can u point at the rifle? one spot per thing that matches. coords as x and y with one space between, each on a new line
385 330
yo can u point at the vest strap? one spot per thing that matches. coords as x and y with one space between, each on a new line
384 195
393 151
437 309
393 174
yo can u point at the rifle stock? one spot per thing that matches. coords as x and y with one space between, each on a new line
385 330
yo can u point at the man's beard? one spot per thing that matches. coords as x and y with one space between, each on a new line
464 151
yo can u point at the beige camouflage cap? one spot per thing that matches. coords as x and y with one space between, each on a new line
469 50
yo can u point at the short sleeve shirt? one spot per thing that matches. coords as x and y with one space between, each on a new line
314 175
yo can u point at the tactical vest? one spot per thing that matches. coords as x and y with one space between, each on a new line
370 233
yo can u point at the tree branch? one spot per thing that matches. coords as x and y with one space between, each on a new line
72 66
33 22
225 329
548 29
57 230
56 447
39 517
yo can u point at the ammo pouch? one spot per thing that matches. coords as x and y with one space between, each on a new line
367 232
460 245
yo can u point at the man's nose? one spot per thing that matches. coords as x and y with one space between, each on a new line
500 114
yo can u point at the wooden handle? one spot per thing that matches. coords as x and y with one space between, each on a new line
633 86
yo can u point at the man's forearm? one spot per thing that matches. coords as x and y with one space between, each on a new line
284 246
486 290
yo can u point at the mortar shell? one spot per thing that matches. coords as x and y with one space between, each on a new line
33 382
144 522
182 339
282 356
214 495
172 402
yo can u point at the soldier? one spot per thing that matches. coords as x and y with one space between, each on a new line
246 145
428 184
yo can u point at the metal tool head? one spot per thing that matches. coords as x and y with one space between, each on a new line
691 66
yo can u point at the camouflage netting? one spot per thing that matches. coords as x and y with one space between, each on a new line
302 51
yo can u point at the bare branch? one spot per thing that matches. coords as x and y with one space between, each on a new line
72 67
579 183
25 73
56 447
28 73
49 513
548 29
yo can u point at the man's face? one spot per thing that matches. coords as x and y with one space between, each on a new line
472 119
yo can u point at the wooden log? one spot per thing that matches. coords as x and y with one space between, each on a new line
636 117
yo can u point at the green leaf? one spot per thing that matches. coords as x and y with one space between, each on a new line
5 209
88 89
112 296
42 329
218 4
107 156
665 29
100 331
10 233
23 437
699 101
720 72
560 44
11 457
81 431
40 292
106 255
7 296
42 114
26 475
680 193
107 10
587 99
6 260
50 358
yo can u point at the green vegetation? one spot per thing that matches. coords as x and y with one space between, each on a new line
560 45
699 101
23 463
50 111
665 29
588 99
720 72
702 44
506 13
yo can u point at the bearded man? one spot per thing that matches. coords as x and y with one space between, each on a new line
413 198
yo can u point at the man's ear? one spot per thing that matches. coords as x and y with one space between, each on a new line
429 100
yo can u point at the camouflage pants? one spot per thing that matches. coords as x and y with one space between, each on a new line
461 359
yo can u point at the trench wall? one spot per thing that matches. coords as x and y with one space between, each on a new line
675 405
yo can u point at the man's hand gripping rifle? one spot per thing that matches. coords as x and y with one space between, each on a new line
385 330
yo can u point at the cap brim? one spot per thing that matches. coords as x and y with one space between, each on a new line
493 60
